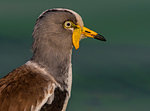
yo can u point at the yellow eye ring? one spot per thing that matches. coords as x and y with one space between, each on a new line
68 24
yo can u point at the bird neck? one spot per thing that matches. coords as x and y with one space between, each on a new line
57 62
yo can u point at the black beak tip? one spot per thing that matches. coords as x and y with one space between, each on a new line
100 37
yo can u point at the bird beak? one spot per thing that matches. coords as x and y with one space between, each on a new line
78 31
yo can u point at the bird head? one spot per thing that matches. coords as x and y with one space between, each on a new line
62 28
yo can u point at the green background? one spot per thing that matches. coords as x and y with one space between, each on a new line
107 76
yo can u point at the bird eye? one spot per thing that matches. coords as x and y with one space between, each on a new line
68 24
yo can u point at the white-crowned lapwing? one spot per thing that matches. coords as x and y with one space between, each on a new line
44 82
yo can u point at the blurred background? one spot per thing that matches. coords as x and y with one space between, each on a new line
107 76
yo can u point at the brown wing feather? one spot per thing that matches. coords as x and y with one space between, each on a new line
23 89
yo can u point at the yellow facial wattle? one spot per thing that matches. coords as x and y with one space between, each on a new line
76 37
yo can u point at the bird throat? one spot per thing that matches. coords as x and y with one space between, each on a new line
56 62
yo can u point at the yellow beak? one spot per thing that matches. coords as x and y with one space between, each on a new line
78 31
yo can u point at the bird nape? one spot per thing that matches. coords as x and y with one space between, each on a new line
44 82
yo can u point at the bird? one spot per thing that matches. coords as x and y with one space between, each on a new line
44 82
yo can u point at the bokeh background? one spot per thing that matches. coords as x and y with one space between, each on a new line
110 76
